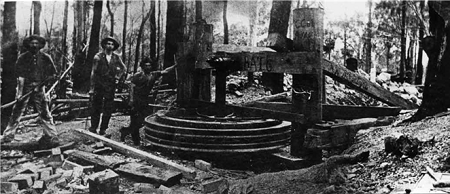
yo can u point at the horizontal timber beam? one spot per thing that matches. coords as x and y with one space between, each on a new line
331 112
254 112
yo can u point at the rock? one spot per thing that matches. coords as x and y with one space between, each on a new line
9 187
383 77
412 90
104 182
203 165
384 165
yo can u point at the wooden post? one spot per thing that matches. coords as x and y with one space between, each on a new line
307 88
194 83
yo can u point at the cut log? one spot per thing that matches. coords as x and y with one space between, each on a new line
100 162
151 174
357 82
133 152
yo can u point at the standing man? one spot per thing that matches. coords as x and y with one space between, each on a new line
33 68
141 85
106 71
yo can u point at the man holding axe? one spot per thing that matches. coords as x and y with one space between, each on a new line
33 69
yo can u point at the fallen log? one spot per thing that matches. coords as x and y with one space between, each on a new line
363 85
133 152
310 180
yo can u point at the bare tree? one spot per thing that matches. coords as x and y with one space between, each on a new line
111 14
93 43
37 8
279 22
139 37
152 30
225 22
403 43
9 53
174 34
437 90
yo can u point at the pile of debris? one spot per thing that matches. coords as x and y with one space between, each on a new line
405 90
96 168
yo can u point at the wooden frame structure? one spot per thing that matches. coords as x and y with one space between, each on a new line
306 64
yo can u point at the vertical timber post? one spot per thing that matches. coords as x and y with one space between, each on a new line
203 49
194 81
307 89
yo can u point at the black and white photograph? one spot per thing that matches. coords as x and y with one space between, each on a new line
225 96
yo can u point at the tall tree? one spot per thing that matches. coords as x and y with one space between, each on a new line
62 89
79 44
278 27
225 22
93 43
174 35
419 66
37 8
152 29
124 31
139 38
436 90
111 15
9 53
403 43
369 38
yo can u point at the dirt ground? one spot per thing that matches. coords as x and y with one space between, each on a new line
383 173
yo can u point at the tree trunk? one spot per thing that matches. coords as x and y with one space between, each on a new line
9 52
369 39
139 37
111 14
225 22
174 35
252 32
79 45
124 32
436 90
159 30
279 22
37 7
94 42
403 43
62 86
153 30
419 67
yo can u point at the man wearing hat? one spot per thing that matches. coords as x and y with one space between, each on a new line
32 69
106 71
141 84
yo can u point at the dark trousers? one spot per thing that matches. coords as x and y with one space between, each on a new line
138 114
103 99
41 105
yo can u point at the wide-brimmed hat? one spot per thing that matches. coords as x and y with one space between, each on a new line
109 38
40 39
